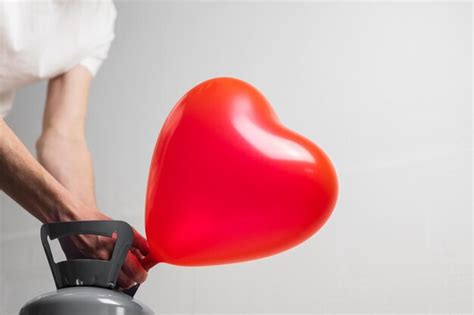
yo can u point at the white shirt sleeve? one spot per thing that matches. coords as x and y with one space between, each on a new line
6 101
105 35
40 40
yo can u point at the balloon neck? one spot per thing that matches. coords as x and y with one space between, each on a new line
149 262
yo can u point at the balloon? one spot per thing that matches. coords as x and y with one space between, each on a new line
229 183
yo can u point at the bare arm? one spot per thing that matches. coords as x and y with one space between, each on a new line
62 188
62 147
29 184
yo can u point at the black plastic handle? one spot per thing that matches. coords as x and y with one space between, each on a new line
88 272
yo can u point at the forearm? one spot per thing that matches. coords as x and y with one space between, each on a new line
69 161
29 184
62 148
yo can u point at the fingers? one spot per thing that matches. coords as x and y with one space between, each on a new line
134 269
140 243
124 281
102 246
148 262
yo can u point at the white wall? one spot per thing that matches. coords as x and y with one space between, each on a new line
385 89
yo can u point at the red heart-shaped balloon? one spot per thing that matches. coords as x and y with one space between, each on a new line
228 182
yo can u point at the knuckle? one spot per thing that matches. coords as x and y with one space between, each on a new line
125 282
142 275
103 254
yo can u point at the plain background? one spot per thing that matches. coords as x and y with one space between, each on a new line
385 89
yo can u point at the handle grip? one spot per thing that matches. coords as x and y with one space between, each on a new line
88 272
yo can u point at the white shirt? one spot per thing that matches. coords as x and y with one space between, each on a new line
42 39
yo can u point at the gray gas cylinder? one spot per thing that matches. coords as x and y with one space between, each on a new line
87 286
